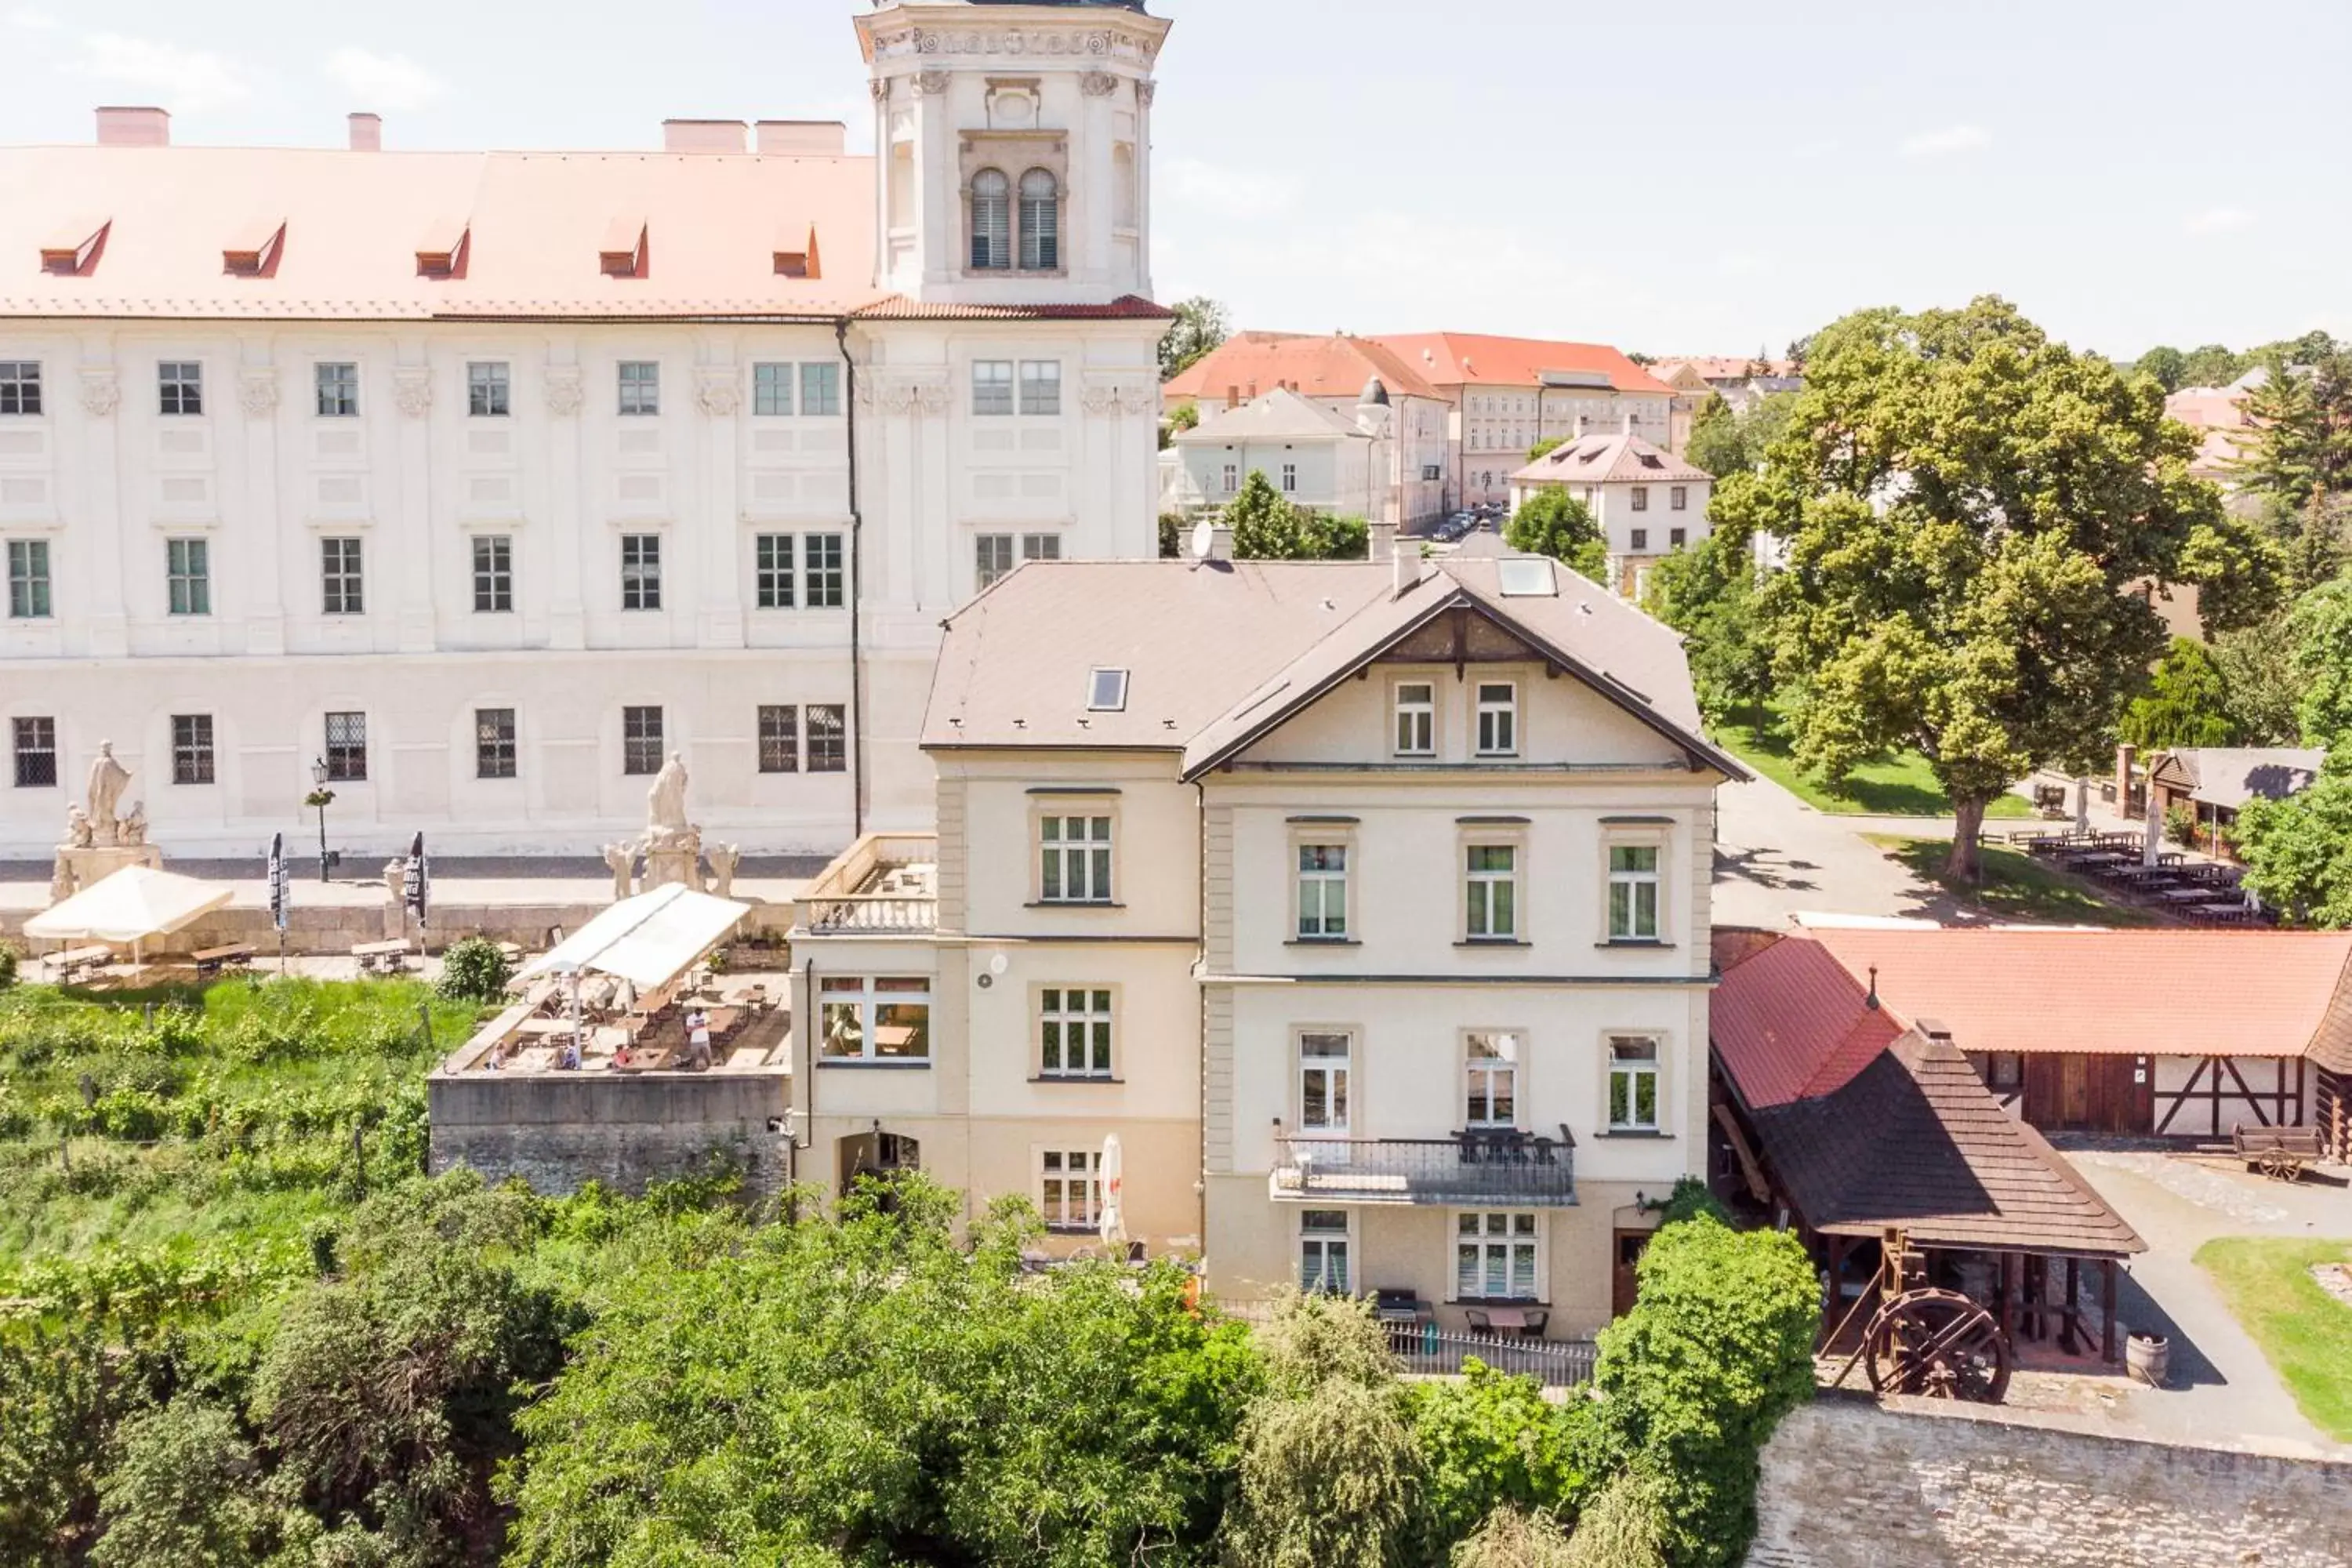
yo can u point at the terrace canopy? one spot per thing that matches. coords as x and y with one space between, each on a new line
133 905
647 941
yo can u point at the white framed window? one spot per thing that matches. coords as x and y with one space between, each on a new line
1499 719
1323 1252
822 575
494 743
1232 476
338 390
1416 719
1632 1083
992 557
1041 386
1325 1086
493 575
771 390
35 741
1107 690
192 748
1490 1060
347 756
180 386
1074 1031
342 579
820 389
827 724
641 571
1641 498
1074 859
1633 892
30 597
640 387
188 576
991 221
1289 478
20 386
991 389
1498 1257
1041 221
871 1019
1678 537
1069 1188
489 389
1678 497
1491 892
1041 547
780 737
641 740
1322 893
771 571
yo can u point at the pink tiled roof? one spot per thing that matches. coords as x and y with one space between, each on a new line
1788 1022
1726 367
1611 460
1125 308
1476 359
1334 366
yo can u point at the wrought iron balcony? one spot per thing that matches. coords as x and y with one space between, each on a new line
1479 1166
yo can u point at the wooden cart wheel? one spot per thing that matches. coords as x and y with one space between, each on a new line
1940 1344
2281 1167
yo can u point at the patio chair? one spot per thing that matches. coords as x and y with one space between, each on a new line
1532 1326
1480 1323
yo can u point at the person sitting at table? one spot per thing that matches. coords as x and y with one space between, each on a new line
625 1056
568 1059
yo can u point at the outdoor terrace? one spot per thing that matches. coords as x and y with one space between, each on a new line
1477 1166
886 884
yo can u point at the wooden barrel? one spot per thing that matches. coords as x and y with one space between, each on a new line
2148 1357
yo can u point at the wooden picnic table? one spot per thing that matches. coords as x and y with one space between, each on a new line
2186 895
76 958
2221 912
213 959
384 957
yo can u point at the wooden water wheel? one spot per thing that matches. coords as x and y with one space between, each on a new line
1939 1343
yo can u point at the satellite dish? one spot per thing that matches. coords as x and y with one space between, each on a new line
997 964
1204 537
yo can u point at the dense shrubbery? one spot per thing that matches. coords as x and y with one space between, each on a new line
474 970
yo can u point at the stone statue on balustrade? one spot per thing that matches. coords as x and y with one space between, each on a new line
107 779
97 843
671 845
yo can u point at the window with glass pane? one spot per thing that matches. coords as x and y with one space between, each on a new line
35 753
1289 478
902 1019
1325 1061
342 588
1499 719
991 221
640 386
1495 1257
1231 478
641 571
1633 892
180 386
771 567
1632 1083
820 389
347 748
493 574
494 743
1678 537
1323 1251
1641 498
1322 893
992 557
489 394
821 572
780 737
339 391
772 389
28 579
828 737
1492 1064
192 748
992 386
1041 386
1075 853
1041 221
1069 1188
882 1019
1678 497
1640 539
1416 719
188 576
641 740
1493 892
1041 547
20 386
1074 1032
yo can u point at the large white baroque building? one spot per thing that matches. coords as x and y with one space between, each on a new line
485 480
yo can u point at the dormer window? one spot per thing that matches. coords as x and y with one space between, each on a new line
1107 692
441 252
254 252
1041 221
622 252
991 221
71 249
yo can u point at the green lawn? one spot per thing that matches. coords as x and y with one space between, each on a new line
2015 887
2304 1331
1901 785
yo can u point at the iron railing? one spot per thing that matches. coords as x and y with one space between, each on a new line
1472 1167
1426 1350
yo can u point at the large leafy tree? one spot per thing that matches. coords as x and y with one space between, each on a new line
1267 527
1708 592
2187 702
1971 513
1553 522
2301 441
2166 364
1201 323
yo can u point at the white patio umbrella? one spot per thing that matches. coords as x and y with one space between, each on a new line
132 905
1114 1178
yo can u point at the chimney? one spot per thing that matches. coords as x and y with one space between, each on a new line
1405 572
1583 426
1221 542
801 138
1935 1029
1382 543
702 136
1232 394
134 127
367 133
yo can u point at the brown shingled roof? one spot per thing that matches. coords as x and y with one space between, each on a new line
1915 1140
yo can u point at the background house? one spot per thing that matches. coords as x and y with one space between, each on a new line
1315 456
1648 502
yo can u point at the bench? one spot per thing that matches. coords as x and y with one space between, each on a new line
380 957
82 962
213 959
2278 1153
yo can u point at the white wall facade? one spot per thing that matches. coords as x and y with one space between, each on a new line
1495 426
1333 475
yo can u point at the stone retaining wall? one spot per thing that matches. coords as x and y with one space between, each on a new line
1849 1485
557 1132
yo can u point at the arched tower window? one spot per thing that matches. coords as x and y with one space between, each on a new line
991 220
1041 221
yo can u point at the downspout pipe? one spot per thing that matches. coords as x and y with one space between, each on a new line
856 591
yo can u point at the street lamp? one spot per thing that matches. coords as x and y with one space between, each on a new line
320 797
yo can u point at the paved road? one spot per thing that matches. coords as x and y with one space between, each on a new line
1776 856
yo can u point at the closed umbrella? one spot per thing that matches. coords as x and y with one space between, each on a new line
1113 1172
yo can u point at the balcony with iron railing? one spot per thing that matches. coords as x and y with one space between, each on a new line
886 884
1477 1166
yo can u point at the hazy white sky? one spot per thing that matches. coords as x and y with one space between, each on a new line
1710 177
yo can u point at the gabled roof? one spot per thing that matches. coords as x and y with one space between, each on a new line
1713 368
1218 653
1333 366
1281 415
1611 459
1478 359
2229 776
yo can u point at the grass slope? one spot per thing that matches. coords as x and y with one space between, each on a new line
2305 1332
2016 886
1900 785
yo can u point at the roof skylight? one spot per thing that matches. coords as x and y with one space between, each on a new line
1107 692
1526 577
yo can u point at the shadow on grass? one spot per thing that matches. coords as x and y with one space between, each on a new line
2013 887
1899 785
